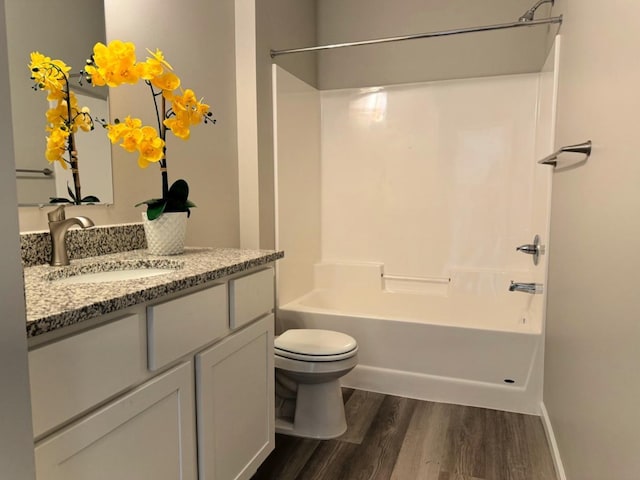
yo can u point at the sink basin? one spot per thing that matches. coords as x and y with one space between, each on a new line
112 272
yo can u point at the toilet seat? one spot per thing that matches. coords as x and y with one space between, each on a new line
314 358
315 345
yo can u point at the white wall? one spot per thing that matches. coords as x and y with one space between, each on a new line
592 385
16 434
297 121
430 177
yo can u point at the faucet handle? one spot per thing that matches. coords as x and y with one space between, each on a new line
534 249
57 214
529 248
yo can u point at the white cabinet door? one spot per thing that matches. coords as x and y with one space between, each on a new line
235 397
148 433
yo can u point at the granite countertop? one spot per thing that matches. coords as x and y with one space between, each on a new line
52 305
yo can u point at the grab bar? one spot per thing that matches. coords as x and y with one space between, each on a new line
416 279
45 171
584 148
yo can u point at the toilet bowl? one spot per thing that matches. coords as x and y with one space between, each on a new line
309 364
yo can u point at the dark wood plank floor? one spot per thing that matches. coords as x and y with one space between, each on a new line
403 439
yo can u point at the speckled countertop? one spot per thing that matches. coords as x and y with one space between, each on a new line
52 305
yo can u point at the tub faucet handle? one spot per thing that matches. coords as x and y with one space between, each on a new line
527 248
534 249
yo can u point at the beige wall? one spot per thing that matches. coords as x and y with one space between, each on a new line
461 56
205 60
16 435
592 385
279 24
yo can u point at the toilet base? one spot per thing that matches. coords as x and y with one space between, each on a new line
319 412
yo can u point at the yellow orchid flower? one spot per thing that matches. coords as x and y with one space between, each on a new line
113 64
117 131
48 74
166 82
131 140
83 119
56 145
188 108
158 57
151 147
179 127
57 115
154 66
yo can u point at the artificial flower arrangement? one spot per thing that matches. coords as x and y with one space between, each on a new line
64 118
115 64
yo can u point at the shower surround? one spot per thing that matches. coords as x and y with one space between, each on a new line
400 208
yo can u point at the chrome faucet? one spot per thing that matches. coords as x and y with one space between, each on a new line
531 288
58 226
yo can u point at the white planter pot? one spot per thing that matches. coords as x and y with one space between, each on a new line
166 234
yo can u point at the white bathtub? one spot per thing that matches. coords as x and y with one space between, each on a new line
458 348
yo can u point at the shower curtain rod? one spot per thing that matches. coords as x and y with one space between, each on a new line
442 33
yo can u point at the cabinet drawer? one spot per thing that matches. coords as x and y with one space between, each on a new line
250 297
178 327
72 375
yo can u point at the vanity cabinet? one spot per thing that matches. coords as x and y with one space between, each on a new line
235 400
119 401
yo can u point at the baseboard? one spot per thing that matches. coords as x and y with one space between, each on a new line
553 445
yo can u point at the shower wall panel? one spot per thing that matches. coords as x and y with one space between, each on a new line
430 177
297 176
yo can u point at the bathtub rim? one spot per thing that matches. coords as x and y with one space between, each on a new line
297 305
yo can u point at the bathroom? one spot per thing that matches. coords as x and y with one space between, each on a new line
589 329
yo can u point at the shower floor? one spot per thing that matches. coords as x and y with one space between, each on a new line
391 437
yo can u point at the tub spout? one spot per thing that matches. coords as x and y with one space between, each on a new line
531 288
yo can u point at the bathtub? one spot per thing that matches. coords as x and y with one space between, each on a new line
452 345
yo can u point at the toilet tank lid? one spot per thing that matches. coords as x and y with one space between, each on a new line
315 342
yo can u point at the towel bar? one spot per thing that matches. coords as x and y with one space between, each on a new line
577 148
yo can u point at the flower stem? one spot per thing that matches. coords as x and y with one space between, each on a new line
73 156
162 131
71 143
163 162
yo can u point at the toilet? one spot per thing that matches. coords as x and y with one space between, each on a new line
309 364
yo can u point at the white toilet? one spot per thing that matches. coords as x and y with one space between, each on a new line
309 364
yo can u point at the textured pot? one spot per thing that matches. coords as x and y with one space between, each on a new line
166 234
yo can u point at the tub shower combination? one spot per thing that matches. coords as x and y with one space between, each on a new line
435 177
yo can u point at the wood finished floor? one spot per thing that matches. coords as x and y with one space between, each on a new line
398 438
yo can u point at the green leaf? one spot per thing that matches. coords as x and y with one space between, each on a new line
71 194
155 210
179 191
151 201
90 198
176 201
177 197
59 200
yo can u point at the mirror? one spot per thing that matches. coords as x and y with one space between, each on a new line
65 30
